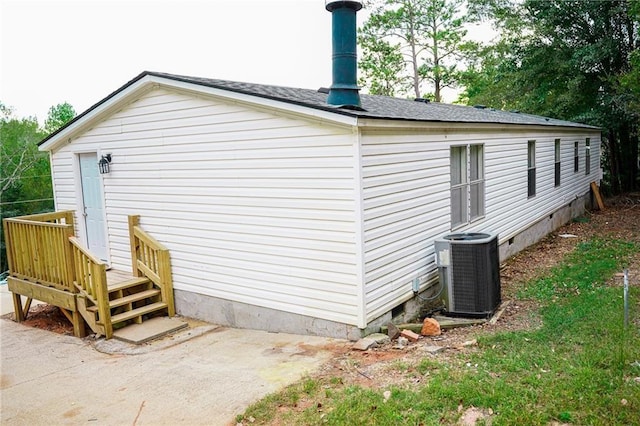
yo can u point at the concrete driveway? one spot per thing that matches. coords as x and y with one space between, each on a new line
204 375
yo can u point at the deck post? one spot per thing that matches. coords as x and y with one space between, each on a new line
164 271
134 220
79 329
99 276
8 245
68 218
69 267
19 314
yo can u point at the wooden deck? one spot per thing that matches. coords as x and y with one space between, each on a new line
115 276
48 263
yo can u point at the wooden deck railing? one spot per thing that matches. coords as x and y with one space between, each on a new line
38 248
47 262
150 258
91 280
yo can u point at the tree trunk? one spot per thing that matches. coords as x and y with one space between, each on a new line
629 156
437 80
613 163
414 56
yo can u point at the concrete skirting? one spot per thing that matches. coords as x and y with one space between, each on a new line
543 227
242 315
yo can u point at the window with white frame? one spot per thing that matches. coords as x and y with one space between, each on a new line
587 157
476 182
556 158
467 184
531 169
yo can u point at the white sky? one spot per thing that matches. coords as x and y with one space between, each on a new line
79 51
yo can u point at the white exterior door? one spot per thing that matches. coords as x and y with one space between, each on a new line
93 206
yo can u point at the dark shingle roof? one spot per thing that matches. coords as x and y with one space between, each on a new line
376 107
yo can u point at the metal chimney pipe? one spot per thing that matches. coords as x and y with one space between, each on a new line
344 90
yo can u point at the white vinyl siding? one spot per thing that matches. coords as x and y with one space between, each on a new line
406 192
254 207
407 181
509 210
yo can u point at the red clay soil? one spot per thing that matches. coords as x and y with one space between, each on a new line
48 317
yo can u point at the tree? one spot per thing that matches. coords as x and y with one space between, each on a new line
574 60
18 153
381 66
25 173
406 43
22 178
58 116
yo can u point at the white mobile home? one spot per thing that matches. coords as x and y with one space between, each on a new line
283 212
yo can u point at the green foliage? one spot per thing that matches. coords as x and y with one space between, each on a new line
58 116
25 174
573 60
381 66
407 43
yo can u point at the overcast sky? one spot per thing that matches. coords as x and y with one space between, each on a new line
79 51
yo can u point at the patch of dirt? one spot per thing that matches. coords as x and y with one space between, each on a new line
47 317
473 415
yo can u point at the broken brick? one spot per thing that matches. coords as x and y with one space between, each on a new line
413 337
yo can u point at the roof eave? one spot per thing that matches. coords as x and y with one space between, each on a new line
330 114
136 87
394 122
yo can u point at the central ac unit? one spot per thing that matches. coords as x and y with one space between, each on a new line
469 268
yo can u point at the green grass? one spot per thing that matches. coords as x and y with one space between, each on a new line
584 269
577 368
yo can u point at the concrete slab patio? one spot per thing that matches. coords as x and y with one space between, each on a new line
203 378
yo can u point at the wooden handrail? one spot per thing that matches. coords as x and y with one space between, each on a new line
37 224
151 259
53 217
91 277
39 251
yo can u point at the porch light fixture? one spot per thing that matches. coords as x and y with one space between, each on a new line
103 164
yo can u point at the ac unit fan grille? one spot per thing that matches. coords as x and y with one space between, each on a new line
475 273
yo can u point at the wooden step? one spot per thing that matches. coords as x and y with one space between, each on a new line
138 312
134 297
128 284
